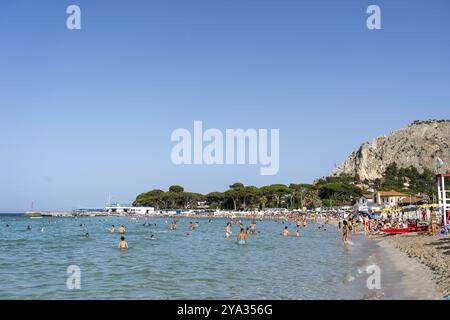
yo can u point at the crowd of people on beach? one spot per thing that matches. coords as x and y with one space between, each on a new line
390 223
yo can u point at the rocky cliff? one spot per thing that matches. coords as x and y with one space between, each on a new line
418 145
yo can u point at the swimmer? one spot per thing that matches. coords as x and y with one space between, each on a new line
187 234
247 231
152 237
297 234
87 235
253 227
28 228
191 226
242 236
123 245
228 230
285 232
113 229
122 229
173 226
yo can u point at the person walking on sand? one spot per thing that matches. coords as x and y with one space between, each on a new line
123 245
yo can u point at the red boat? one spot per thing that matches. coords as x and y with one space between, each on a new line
405 230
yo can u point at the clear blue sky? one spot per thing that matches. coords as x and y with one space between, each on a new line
90 112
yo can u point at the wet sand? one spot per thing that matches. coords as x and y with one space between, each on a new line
431 253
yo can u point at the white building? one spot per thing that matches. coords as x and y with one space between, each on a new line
390 198
118 209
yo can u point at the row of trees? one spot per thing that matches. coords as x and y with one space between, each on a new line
327 191
237 197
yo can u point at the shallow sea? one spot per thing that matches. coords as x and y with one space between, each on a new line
203 265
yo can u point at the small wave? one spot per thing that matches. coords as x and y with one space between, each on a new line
348 278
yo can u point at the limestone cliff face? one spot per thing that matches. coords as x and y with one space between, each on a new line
418 145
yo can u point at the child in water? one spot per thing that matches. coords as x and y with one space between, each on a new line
123 245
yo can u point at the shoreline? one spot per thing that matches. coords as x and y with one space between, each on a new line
416 280
428 253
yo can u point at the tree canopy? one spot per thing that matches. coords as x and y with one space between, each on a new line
328 191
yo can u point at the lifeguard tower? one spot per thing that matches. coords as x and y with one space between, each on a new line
443 197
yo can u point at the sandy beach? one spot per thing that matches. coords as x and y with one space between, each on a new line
424 261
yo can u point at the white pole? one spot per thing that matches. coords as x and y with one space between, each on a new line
438 182
444 200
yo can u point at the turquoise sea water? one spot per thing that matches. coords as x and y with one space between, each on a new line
205 265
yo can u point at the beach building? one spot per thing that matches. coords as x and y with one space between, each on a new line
118 209
389 198
366 203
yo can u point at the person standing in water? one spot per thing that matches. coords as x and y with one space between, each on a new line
242 236
253 227
123 245
345 231
366 225
122 229
228 230
113 229
285 232
191 226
